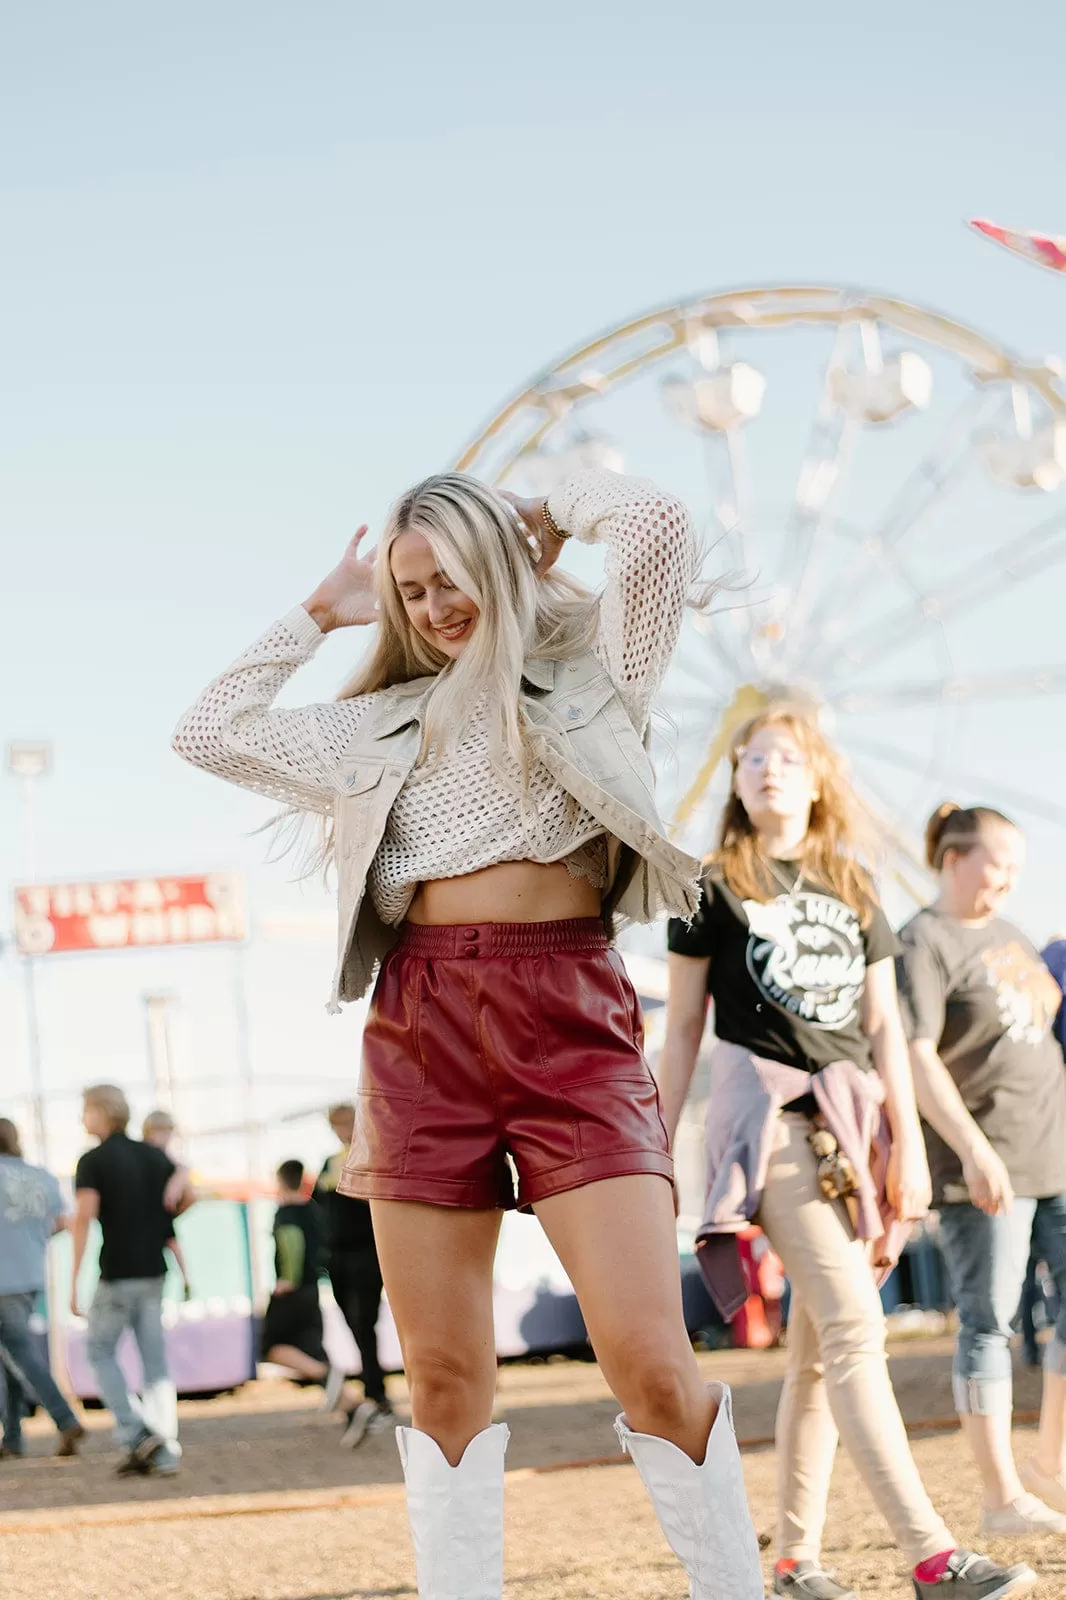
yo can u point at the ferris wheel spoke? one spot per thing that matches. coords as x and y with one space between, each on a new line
817 484
685 701
697 670
711 635
934 767
885 823
1014 562
740 489
723 502
935 476
982 686
802 627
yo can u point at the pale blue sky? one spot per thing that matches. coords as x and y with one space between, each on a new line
263 264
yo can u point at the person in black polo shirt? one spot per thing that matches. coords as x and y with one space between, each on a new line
356 1278
292 1325
122 1184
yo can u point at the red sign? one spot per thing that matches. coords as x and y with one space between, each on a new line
129 914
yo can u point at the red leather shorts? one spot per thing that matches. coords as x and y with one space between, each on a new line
504 1039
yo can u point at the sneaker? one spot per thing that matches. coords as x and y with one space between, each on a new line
383 1422
808 1579
333 1388
970 1577
139 1456
69 1439
1025 1518
12 1452
1052 1491
365 1421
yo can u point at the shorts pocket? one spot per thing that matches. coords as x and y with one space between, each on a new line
383 1126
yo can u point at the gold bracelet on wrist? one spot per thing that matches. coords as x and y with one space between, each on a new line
551 524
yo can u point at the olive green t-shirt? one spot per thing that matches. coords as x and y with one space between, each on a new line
988 1003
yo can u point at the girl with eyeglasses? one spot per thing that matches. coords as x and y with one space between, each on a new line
813 1133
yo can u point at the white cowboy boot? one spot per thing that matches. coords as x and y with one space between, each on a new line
703 1510
456 1514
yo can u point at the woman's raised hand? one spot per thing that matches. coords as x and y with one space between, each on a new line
530 513
347 598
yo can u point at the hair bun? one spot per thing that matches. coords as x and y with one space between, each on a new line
935 827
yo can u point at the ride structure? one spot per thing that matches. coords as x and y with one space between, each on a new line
881 492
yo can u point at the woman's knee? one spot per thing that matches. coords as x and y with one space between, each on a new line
448 1387
660 1392
854 1328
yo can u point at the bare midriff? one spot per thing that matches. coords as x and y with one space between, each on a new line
511 891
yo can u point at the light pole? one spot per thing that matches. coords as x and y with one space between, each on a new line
158 1008
27 762
252 1131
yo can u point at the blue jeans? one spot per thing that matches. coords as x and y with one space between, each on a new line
986 1260
25 1374
137 1304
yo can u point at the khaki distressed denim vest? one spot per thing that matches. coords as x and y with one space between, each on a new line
582 733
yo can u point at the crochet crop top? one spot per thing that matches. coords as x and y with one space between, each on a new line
458 814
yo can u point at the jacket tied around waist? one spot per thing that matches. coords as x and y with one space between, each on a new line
747 1095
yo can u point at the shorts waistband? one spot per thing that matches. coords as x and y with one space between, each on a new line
468 940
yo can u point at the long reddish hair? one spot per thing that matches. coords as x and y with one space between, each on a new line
839 839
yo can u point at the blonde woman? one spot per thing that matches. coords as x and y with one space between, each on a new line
988 1069
812 1132
492 816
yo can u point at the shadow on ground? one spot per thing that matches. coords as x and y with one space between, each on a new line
269 1439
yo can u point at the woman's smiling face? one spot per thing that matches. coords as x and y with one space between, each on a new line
439 613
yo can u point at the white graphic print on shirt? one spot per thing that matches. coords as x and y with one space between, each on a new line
1027 995
806 955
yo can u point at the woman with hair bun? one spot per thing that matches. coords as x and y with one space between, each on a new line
989 1078
813 1133
491 816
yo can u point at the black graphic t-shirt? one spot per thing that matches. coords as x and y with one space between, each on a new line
787 977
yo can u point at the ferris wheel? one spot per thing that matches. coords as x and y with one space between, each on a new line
882 491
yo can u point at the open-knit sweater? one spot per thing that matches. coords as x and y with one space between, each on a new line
458 813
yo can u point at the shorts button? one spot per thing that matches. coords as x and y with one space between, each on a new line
471 934
470 950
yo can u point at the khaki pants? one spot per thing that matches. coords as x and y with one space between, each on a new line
837 1381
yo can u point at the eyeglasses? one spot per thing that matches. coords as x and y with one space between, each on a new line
759 760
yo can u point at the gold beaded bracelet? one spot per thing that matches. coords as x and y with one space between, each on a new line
551 524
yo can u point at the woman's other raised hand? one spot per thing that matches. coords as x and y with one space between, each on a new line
347 597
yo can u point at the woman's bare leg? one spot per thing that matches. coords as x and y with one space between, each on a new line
617 1240
436 1263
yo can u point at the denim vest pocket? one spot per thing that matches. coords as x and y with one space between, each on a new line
358 776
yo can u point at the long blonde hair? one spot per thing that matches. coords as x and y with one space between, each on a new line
839 840
481 544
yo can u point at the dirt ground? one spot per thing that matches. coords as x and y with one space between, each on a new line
269 1507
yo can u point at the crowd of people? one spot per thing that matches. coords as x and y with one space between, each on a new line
483 791
135 1191
857 1080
